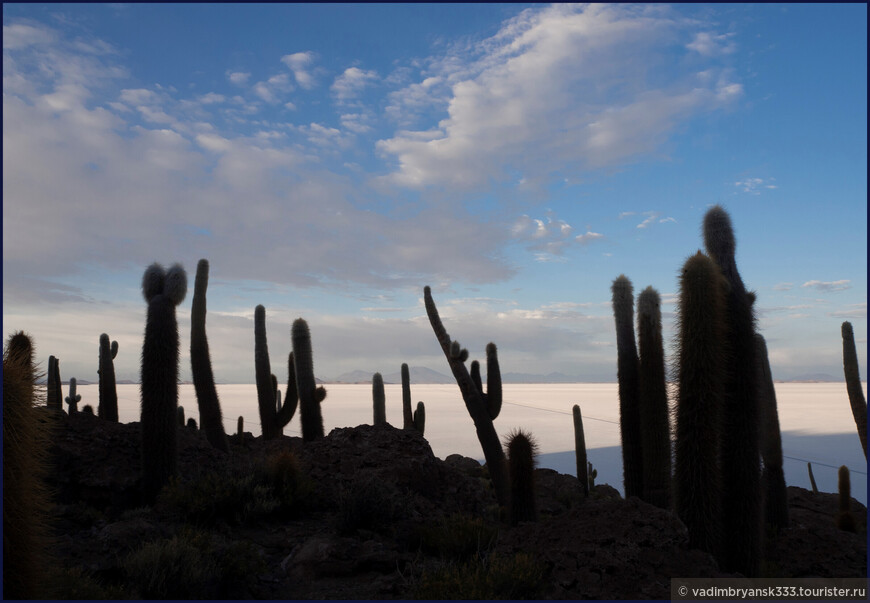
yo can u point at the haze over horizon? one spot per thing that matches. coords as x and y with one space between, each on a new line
332 160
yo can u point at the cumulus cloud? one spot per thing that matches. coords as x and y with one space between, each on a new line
298 63
841 285
549 237
238 78
568 81
710 44
351 83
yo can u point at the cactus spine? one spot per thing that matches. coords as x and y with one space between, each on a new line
407 417
107 408
54 393
310 395
379 400
580 450
420 418
699 369
73 398
627 374
163 290
26 500
653 397
853 384
522 451
474 402
210 416
845 521
740 460
772 475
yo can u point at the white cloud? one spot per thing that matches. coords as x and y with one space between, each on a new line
351 83
754 186
211 98
841 285
356 122
298 63
709 44
239 78
587 238
21 35
783 286
536 101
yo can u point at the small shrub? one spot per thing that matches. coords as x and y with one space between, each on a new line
458 537
368 503
77 584
283 475
518 576
175 568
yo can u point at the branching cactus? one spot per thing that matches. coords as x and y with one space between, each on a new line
210 416
655 435
273 415
379 400
474 402
163 290
521 453
772 475
73 398
699 370
407 417
107 408
845 521
420 418
853 384
627 374
580 450
740 455
54 391
493 395
310 395
26 500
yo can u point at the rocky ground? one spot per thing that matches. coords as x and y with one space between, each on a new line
371 513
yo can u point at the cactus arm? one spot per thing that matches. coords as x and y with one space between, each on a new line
853 384
407 417
291 398
486 434
493 381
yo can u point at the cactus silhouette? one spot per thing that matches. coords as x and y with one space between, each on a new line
54 393
87 409
210 416
772 475
26 500
580 450
163 290
273 415
845 521
420 418
379 400
474 402
628 376
699 367
179 415
493 395
107 408
521 452
740 455
812 478
73 398
853 384
191 423
240 430
310 395
407 416
655 433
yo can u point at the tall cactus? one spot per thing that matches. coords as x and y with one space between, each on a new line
580 450
54 392
845 521
379 400
26 500
273 415
521 452
474 401
163 290
210 416
655 434
628 376
407 416
853 384
107 408
73 398
772 475
310 395
699 369
740 461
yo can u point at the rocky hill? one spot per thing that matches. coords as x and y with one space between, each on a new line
370 513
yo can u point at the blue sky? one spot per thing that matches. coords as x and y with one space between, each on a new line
331 160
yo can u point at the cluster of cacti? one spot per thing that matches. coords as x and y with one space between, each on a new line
310 394
379 400
54 392
521 452
163 290
853 383
210 415
107 408
482 410
26 501
580 450
274 416
772 474
73 398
